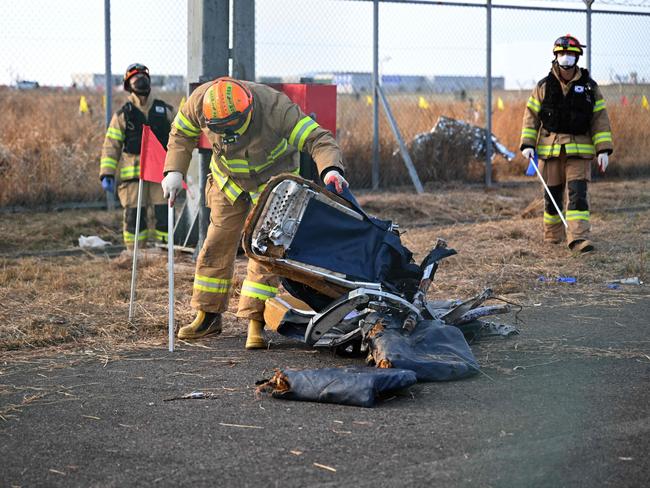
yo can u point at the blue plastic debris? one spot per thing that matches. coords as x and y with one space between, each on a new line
565 279
613 286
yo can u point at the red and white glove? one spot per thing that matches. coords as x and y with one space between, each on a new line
603 161
335 178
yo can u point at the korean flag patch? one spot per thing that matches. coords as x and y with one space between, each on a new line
161 110
579 89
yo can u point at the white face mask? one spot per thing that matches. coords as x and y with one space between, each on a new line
566 60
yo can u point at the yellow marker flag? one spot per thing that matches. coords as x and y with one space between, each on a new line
104 102
368 100
422 103
500 104
182 102
644 103
83 105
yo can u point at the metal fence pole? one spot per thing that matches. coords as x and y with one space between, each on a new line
108 80
488 98
375 84
589 3
108 84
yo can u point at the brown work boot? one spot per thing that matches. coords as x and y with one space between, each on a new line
581 246
205 323
254 338
554 233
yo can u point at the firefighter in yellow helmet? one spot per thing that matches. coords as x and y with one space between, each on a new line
256 133
122 150
566 121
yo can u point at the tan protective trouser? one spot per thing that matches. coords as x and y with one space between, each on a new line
152 195
216 261
559 173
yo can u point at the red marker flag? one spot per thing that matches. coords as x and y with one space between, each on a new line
152 156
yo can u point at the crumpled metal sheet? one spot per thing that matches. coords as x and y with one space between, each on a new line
359 386
454 129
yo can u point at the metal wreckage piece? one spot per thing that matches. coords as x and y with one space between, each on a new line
389 321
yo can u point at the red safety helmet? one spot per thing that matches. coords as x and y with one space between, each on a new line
568 43
133 70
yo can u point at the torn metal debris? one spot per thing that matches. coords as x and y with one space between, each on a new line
353 288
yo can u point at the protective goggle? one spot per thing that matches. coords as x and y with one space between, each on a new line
135 69
229 125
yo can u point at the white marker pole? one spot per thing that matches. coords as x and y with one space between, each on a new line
170 269
548 192
134 266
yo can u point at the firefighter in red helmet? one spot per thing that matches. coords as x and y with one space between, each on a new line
121 151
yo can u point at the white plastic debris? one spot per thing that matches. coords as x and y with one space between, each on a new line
92 242
628 281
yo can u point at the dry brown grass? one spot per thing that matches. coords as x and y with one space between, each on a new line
82 302
49 153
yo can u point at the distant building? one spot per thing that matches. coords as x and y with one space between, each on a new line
359 82
27 85
96 80
453 84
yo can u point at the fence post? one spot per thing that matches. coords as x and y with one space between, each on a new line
243 40
588 3
108 76
375 84
488 98
108 84
207 58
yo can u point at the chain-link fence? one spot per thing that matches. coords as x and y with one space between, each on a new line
432 62
52 77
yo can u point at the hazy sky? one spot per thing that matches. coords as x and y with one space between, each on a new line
47 40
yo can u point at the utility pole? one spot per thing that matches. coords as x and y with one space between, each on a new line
243 40
207 58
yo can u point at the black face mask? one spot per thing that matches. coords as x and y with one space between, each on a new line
142 86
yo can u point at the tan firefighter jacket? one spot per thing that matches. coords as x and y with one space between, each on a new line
278 129
112 155
548 144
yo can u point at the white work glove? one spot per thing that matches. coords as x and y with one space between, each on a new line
528 153
172 184
603 161
336 179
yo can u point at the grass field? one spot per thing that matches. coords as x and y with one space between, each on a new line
50 153
82 302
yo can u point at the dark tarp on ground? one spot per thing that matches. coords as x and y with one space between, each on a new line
360 386
363 250
434 351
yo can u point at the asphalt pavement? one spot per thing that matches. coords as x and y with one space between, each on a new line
565 403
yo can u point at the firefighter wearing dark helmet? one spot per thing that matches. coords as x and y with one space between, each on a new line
566 122
121 151
256 133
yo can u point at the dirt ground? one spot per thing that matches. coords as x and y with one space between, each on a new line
85 396
83 300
